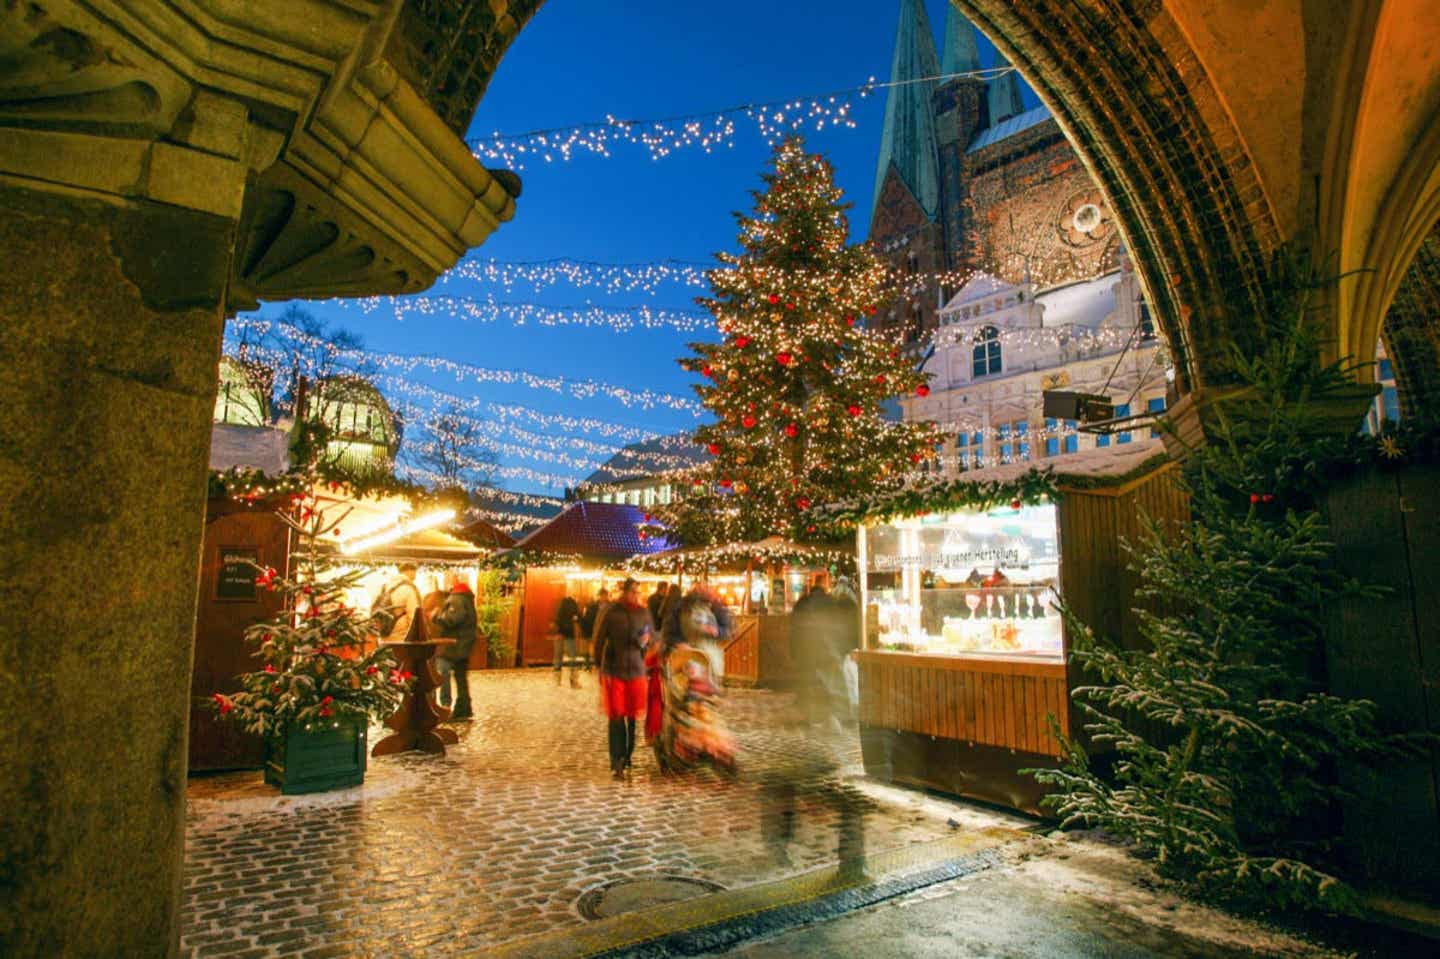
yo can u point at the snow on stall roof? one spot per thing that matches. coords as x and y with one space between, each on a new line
1099 463
264 448
1086 303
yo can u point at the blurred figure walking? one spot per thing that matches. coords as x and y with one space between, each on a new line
457 621
567 630
623 634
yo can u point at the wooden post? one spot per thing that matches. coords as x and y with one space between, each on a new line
745 605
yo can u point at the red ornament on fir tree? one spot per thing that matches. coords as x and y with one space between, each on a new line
915 457
773 298
880 379
922 390
726 483
851 320
714 449
784 358
707 370
748 422
742 341
853 410
1015 504
791 430
802 502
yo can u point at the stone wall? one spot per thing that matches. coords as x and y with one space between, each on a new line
1027 191
112 325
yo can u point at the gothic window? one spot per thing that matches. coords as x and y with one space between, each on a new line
985 359
1147 325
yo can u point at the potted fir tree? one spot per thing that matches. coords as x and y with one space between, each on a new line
317 690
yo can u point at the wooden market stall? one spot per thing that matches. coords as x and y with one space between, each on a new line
242 531
964 665
574 554
760 582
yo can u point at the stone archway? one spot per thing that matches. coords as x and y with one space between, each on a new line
1221 131
1412 331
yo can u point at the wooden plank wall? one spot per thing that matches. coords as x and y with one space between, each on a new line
986 702
1095 580
742 652
1386 527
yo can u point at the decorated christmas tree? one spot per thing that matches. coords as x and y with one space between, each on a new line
314 669
1228 779
797 381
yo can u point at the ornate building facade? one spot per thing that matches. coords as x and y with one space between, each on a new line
971 180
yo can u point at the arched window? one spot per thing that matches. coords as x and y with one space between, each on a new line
986 357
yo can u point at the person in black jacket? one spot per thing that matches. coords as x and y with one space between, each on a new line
567 624
623 635
456 621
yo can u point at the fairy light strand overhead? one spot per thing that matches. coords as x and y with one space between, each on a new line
709 131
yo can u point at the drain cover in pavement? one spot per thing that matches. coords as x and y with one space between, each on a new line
628 895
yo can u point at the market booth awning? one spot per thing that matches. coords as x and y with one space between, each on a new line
738 556
382 530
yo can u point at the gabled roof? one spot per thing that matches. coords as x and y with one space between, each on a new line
908 142
484 534
602 531
652 457
980 286
1008 128
263 448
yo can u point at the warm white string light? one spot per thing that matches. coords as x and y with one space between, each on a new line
708 131
579 389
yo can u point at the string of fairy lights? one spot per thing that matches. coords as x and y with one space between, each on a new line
707 131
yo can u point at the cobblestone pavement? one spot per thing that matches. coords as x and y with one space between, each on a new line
446 856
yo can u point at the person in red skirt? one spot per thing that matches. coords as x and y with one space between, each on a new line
623 635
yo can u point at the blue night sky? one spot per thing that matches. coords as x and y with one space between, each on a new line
580 60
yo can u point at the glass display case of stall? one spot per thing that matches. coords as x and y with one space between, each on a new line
965 583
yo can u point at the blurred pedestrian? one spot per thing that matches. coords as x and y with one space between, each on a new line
457 621
567 632
396 605
656 602
623 633
590 624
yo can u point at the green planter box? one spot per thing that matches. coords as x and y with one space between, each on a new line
317 759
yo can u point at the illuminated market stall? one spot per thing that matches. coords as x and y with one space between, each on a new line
583 548
963 666
760 582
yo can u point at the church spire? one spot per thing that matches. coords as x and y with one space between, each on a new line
908 142
961 53
1004 94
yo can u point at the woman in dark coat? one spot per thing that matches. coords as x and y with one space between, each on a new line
623 635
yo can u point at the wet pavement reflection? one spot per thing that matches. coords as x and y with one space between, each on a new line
500 838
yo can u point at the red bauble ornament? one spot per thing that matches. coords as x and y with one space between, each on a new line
643 535
810 528
851 320
725 483
773 298
880 379
784 358
872 310
789 306
1015 504
1267 498
714 449
791 430
802 503
707 370
1254 498
853 410
371 670
922 390
748 422
915 457
270 668
742 341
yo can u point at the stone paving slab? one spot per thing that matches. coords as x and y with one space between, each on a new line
497 840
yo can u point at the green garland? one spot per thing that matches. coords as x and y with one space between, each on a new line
251 486
1030 487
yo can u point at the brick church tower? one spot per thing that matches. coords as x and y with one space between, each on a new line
970 180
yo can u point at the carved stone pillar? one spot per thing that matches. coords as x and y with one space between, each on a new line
162 163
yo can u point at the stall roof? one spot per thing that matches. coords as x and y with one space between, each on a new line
375 513
602 531
485 534
263 448
1102 466
772 547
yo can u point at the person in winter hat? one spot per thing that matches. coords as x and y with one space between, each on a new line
456 621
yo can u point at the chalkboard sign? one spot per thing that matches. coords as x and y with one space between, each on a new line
235 579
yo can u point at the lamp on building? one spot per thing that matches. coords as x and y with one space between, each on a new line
1081 407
